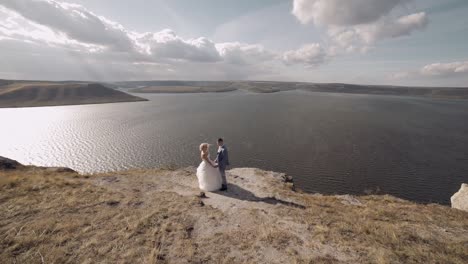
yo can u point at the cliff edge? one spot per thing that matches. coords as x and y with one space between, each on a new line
158 216
460 199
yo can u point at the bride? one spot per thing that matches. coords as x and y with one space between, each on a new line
209 177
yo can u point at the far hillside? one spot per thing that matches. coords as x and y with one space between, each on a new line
38 93
272 87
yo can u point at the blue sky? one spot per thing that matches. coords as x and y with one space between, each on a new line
400 42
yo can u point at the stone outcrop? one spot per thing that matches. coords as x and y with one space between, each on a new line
460 199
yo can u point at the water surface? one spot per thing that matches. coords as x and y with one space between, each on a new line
414 148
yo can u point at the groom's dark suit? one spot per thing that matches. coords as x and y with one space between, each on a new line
222 159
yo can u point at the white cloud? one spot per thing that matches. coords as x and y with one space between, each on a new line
15 27
455 71
355 26
93 47
387 28
342 13
64 23
73 21
310 55
71 26
166 44
362 37
241 53
445 69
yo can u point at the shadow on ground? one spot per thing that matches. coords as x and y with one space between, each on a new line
239 193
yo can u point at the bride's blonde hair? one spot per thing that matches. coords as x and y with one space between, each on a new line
202 145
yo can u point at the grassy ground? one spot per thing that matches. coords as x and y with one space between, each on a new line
154 216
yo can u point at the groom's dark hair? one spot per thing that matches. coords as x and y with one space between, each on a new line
220 140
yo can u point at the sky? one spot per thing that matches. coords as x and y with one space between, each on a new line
392 42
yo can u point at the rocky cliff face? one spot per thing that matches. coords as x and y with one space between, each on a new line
460 199
159 216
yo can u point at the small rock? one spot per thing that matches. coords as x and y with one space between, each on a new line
287 178
460 199
202 195
112 203
188 231
349 200
201 203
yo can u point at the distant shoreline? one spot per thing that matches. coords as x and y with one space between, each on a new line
181 89
72 104
15 94
20 93
176 87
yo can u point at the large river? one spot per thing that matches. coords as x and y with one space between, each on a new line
413 148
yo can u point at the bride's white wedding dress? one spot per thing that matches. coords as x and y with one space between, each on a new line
209 178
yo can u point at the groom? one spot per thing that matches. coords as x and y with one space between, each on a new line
223 160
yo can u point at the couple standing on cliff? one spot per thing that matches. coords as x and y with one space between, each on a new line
211 174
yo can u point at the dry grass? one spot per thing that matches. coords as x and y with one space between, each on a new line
390 230
48 218
51 217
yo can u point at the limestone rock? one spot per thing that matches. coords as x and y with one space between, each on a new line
460 199
349 200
